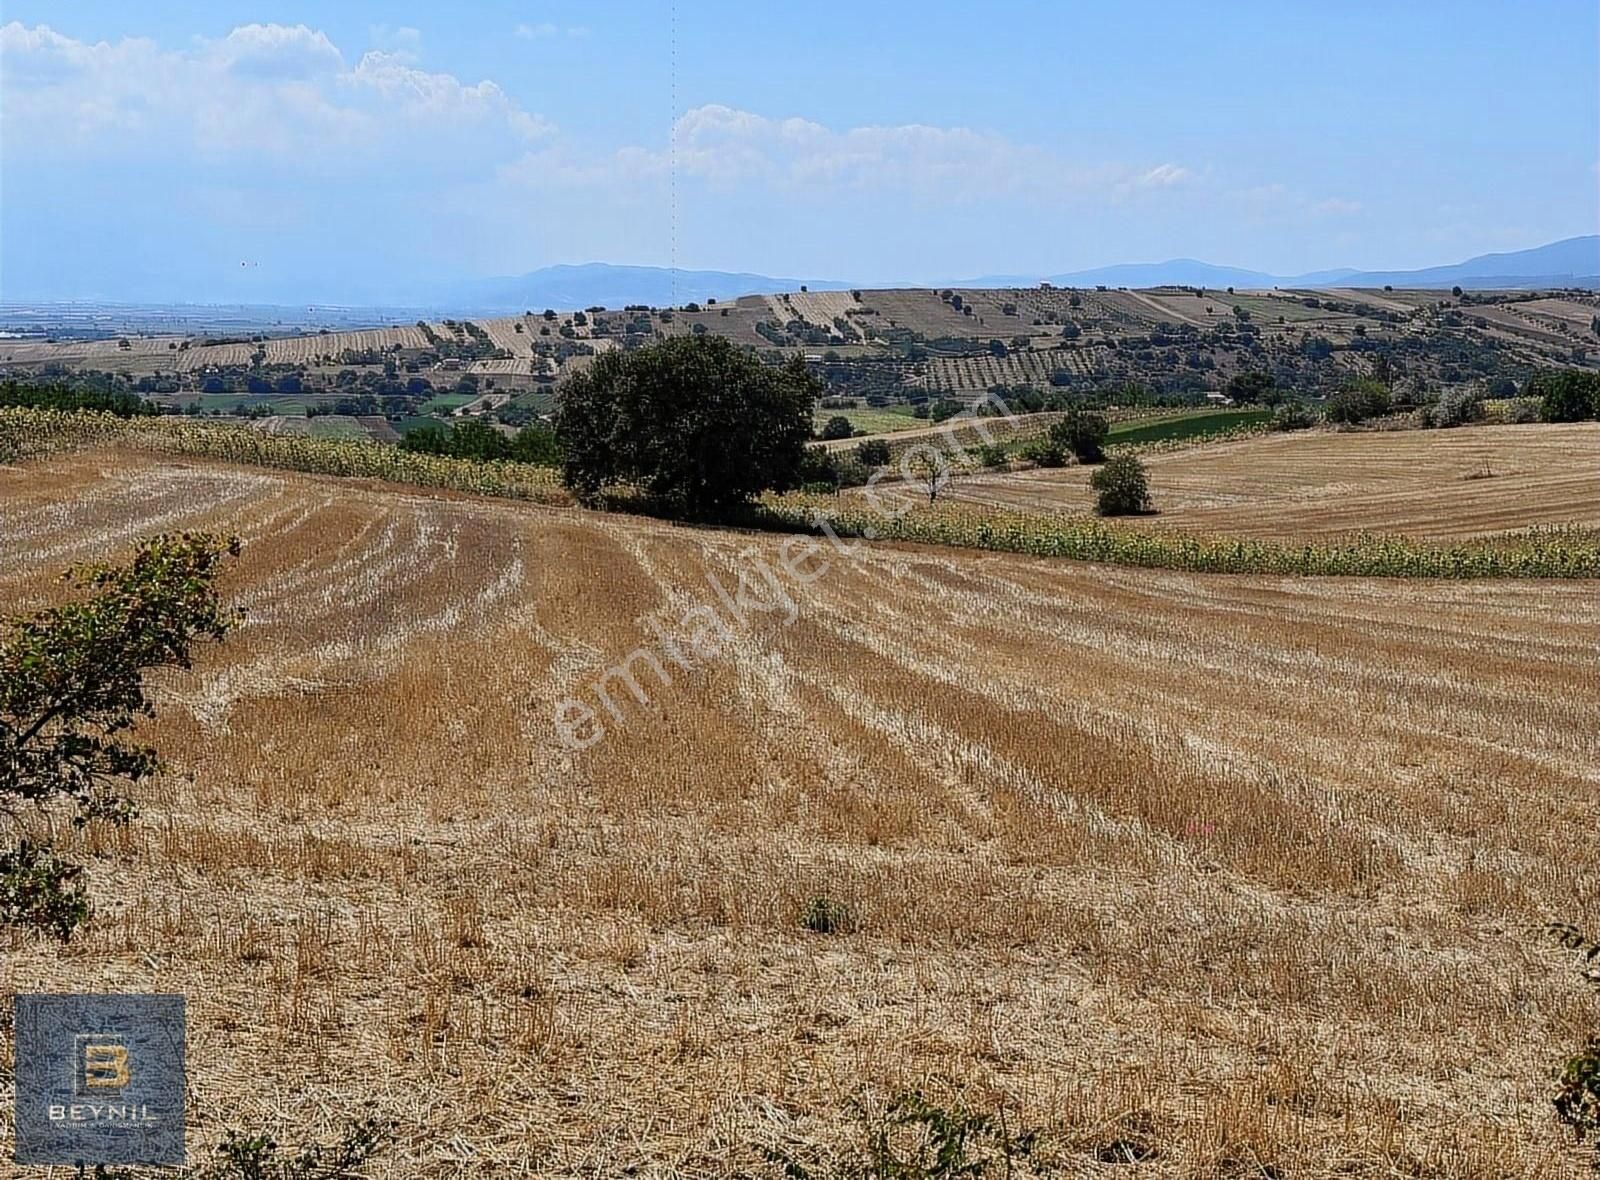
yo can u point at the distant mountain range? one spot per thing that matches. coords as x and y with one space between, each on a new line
599 284
1574 262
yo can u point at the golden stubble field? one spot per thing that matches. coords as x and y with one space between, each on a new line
1433 484
1238 869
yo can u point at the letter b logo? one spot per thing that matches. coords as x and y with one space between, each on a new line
105 1067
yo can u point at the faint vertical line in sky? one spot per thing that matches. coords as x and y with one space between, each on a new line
672 167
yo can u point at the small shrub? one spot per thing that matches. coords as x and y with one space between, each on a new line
874 453
1577 1100
916 1139
1123 487
72 684
1292 416
1046 453
836 427
1456 407
1083 433
825 916
990 455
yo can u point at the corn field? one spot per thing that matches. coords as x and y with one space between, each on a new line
1533 553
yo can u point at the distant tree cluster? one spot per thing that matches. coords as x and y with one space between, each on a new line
56 396
472 438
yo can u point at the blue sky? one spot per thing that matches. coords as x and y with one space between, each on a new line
362 150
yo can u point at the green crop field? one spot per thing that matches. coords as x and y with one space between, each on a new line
874 421
1197 425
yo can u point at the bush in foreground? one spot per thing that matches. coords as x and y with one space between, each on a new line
1123 487
72 685
698 424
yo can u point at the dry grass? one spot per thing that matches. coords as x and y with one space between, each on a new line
1240 867
1319 484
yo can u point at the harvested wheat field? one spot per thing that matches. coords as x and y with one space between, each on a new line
1231 875
1466 482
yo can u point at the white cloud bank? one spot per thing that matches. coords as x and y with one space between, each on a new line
287 97
279 91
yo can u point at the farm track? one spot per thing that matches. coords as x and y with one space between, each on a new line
1235 866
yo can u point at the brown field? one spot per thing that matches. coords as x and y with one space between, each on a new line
1323 483
1238 870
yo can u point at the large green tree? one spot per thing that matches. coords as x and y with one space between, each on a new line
72 684
697 423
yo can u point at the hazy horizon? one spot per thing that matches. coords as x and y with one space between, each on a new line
254 152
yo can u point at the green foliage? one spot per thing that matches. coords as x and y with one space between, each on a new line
72 685
916 1139
1565 395
874 453
825 916
1577 1099
1250 387
700 425
258 1157
1358 401
1456 407
1122 486
40 891
1293 416
818 470
1082 432
991 455
837 426
54 396
473 438
1046 452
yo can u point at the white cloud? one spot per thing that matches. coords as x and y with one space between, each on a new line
728 147
1336 207
279 91
277 51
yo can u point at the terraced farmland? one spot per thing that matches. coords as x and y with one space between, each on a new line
1225 869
